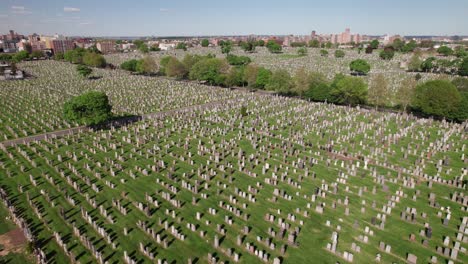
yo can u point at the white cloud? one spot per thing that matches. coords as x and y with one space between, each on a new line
18 8
71 9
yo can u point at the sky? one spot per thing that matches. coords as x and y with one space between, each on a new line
239 17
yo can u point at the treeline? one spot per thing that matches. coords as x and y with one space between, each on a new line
454 66
22 55
88 57
428 99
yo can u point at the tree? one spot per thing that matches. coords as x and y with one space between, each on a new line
182 46
147 65
260 43
398 44
339 53
250 74
205 43
323 53
249 45
280 82
212 70
91 108
414 64
314 43
428 64
461 84
374 44
378 91
405 92
359 66
387 54
175 68
328 45
226 47
84 71
409 47
236 77
369 50
438 98
349 90
302 51
273 46
130 65
20 56
460 52
238 60
94 60
36 54
301 82
463 68
445 51
143 48
58 56
263 78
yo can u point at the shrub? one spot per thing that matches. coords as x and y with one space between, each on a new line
91 108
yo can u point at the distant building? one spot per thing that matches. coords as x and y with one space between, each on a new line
106 46
62 45
8 45
345 37
167 46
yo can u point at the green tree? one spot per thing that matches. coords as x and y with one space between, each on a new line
301 82
130 65
36 54
374 44
349 90
409 47
260 43
182 46
243 111
280 82
250 74
405 92
58 56
414 64
461 84
379 92
339 53
438 98
428 64
90 108
84 71
163 64
302 51
314 43
147 65
236 77
323 53
175 68
369 50
226 47
359 66
398 44
143 48
273 46
445 51
20 56
94 60
387 54
463 68
238 60
211 70
205 43
263 78
249 45
328 45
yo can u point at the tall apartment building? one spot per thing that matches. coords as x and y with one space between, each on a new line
106 46
60 45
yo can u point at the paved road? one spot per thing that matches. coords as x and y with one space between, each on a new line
119 122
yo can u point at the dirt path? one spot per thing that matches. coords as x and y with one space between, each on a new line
12 241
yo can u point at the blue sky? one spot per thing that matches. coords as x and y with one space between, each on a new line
217 17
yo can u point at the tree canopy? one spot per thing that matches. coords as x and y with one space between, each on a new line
90 108
205 43
349 90
438 98
339 53
273 46
359 66
84 70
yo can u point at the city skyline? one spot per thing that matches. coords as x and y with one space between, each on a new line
183 18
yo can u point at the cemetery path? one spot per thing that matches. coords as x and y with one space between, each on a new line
118 122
